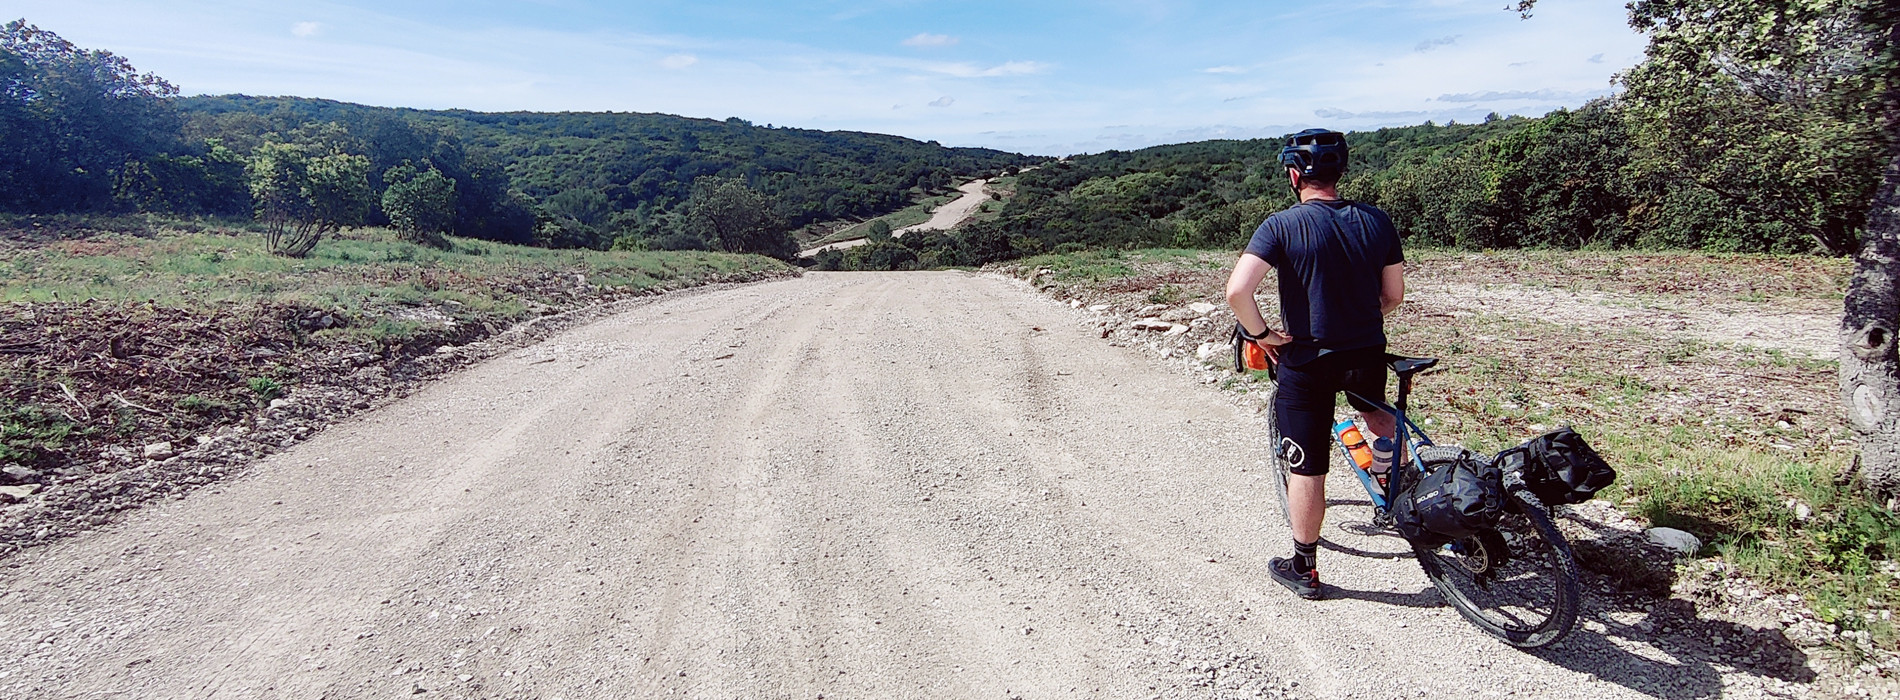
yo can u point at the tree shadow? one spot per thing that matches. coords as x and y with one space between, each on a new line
1680 663
1626 634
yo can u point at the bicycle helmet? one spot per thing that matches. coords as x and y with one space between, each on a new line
1316 153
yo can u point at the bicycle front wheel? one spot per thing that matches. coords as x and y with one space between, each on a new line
1518 583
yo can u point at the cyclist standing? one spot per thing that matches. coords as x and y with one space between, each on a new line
1341 271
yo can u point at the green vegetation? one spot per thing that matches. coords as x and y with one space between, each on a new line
265 388
85 132
368 269
419 204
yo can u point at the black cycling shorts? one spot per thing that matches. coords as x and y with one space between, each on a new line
1304 398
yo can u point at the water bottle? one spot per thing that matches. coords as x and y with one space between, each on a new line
1382 449
1348 433
1256 356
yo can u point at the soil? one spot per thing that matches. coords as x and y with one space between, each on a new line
842 485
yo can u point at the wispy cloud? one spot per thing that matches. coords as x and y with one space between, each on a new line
1596 59
931 41
944 101
306 29
968 70
1545 95
1430 44
1332 113
678 61
1224 69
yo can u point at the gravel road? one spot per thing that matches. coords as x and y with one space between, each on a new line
942 218
849 485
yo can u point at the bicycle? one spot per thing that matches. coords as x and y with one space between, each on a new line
1517 582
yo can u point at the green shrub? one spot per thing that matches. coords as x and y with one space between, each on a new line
265 388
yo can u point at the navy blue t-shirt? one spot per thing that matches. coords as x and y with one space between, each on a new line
1330 256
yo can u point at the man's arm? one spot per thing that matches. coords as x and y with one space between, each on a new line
1240 285
1391 288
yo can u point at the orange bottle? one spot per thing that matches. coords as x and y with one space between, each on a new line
1355 444
1256 356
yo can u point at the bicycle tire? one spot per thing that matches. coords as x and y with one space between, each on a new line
1277 467
1530 601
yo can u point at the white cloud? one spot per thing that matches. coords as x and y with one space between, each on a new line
1430 44
306 29
1545 95
931 41
1223 69
678 61
967 70
944 101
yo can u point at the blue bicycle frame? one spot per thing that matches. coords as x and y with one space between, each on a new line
1408 436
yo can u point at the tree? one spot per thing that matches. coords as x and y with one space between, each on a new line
71 118
735 218
1837 57
879 232
301 196
419 204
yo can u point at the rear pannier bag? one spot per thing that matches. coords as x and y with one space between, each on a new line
1559 467
1457 498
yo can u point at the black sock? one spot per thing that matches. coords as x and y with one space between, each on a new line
1304 555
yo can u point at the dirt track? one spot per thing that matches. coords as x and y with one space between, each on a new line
942 218
850 485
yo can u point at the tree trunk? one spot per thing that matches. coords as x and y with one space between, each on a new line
1870 373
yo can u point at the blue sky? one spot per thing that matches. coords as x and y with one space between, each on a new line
1038 77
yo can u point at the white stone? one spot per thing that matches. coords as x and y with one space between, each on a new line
1099 307
159 450
1175 330
1206 350
1150 324
18 492
1075 303
279 403
1203 308
1670 538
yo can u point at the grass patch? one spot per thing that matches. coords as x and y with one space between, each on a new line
371 269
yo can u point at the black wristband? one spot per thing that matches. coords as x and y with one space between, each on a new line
1242 330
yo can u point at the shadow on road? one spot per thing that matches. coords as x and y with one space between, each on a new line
1680 663
1660 647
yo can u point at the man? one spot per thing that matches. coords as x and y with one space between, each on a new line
1341 271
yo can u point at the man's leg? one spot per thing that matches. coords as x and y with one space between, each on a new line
1306 506
1303 409
1381 424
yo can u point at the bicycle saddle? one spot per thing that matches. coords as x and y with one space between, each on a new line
1408 366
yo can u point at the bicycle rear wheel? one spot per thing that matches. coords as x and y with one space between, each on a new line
1277 468
1518 583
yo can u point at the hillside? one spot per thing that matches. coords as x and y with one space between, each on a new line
595 167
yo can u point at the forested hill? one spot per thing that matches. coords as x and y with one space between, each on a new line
82 131
591 166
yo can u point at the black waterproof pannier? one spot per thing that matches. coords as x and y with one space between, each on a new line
1459 497
1559 467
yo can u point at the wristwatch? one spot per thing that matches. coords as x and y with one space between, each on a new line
1242 330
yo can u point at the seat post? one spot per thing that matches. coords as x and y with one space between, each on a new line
1405 387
